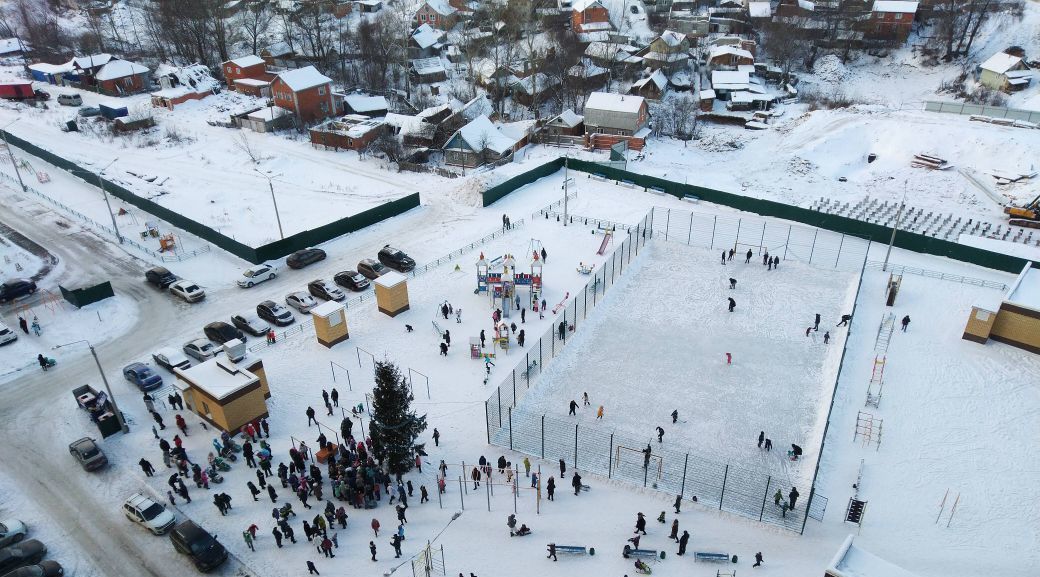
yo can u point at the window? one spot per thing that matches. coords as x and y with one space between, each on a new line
238 71
350 142
321 91
433 18
205 409
422 18
324 106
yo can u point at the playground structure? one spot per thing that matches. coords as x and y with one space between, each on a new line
500 280
877 382
868 429
608 238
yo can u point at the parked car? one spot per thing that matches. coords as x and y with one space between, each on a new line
170 358
323 289
161 277
395 259
46 568
89 455
256 274
300 301
12 531
7 335
188 291
21 554
251 323
273 312
200 349
15 288
351 279
70 100
302 258
195 542
89 111
221 332
143 376
371 269
148 514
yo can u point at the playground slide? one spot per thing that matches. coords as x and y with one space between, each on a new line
606 240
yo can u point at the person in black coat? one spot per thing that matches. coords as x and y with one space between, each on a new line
563 465
253 490
678 502
147 467
683 541
576 483
761 437
270 491
640 524
732 304
793 496
550 487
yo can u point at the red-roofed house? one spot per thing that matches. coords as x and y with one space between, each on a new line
438 14
305 92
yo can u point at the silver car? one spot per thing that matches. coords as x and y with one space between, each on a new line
188 291
300 301
200 349
89 455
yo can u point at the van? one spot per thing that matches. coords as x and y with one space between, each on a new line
70 100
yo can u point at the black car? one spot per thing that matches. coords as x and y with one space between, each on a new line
20 554
395 259
161 277
195 542
44 569
273 312
302 258
351 279
13 289
221 332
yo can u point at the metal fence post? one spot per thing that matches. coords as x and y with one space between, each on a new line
646 471
575 447
667 223
788 243
499 389
763 239
765 497
840 244
812 493
487 419
686 462
514 387
736 240
714 223
610 457
543 436
689 232
813 249
585 298
722 495
510 428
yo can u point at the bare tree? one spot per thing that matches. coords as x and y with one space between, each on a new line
254 22
785 44
246 145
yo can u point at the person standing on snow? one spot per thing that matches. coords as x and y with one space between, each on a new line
732 304
748 255
758 559
640 524
573 407
732 283
660 434
674 535
816 325
761 437
678 502
793 496
683 541
675 416
906 322
723 258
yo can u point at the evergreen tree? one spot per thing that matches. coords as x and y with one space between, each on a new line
394 425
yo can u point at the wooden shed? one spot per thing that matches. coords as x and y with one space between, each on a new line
391 293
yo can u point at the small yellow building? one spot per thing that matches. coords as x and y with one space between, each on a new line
1004 72
225 394
392 293
1016 320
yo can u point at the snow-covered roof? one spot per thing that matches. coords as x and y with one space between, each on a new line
303 78
190 79
279 49
851 561
120 69
87 62
245 61
441 7
582 5
899 6
681 79
729 79
218 377
760 9
724 50
476 107
45 68
585 69
707 94
1026 290
606 51
595 36
666 56
480 133
267 113
424 66
612 102
426 36
658 78
390 279
538 81
672 38
363 103
596 26
568 118
9 45
1000 62
252 82
353 126
516 131
807 5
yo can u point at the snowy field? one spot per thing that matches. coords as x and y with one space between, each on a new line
658 343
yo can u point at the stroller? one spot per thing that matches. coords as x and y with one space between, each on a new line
214 476
642 567
46 362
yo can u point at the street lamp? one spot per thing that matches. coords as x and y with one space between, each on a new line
10 152
270 184
101 183
892 240
111 397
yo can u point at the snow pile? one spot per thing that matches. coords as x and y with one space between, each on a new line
830 69
720 141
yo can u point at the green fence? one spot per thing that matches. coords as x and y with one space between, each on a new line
906 240
256 255
82 297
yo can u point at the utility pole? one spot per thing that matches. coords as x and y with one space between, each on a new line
892 239
10 152
111 397
101 183
270 184
566 172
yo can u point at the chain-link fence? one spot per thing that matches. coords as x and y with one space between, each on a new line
815 246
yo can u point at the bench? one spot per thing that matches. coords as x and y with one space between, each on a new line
691 198
704 556
575 550
628 551
656 190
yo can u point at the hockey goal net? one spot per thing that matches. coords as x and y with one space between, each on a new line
629 460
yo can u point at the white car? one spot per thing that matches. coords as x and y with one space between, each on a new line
12 531
200 349
300 301
256 274
7 335
148 514
170 358
188 291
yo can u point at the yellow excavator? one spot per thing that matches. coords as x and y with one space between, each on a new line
1027 215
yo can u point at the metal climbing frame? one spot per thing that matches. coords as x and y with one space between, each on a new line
868 430
877 382
884 334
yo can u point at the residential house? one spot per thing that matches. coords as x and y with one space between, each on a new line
489 74
478 143
437 13
370 6
251 66
57 74
590 20
689 22
891 20
12 47
725 82
669 52
121 78
429 70
606 54
86 67
266 119
422 129
181 84
305 92
363 104
706 100
1005 72
651 87
587 76
425 42
760 12
567 123
278 54
728 57
254 87
532 89
611 118
352 132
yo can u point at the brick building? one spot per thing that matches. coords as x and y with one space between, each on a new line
438 14
122 78
251 66
891 20
590 16
352 132
305 92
